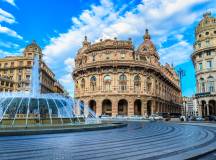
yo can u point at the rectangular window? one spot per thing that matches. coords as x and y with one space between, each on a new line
122 55
27 77
208 53
200 66
209 64
29 63
20 78
20 63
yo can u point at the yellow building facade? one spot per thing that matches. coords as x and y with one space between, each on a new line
114 78
15 72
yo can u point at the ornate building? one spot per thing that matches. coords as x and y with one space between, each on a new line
15 72
115 79
204 59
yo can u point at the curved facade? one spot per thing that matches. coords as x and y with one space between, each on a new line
204 59
115 79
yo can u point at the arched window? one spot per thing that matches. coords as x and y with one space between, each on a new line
122 82
149 84
202 85
137 83
93 83
83 84
107 82
210 84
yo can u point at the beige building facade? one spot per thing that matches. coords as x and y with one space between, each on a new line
113 78
204 59
15 72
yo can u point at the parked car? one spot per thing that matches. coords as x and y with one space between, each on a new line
199 118
155 117
210 118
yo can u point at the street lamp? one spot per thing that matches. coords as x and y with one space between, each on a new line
181 74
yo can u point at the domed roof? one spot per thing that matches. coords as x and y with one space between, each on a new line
147 47
33 46
207 21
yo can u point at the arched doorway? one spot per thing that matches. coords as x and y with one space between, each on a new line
137 107
123 107
92 105
149 104
212 107
107 107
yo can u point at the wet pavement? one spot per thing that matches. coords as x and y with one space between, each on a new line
139 140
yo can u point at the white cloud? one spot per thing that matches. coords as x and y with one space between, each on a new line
9 32
177 53
12 2
164 18
70 64
6 17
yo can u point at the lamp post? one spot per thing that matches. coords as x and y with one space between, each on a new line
181 74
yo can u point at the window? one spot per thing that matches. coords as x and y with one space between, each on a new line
200 35
12 64
5 65
29 54
199 45
211 84
27 77
20 78
149 84
137 83
83 83
29 63
209 64
93 57
107 83
208 53
122 82
200 66
207 42
122 54
20 71
20 63
214 32
202 85
200 55
207 33
93 83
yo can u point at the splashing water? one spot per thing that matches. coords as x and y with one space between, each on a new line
34 108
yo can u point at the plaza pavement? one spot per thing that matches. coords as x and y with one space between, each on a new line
137 141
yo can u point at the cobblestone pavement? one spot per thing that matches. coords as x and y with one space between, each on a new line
139 140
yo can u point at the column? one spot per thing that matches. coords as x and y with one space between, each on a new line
114 108
130 108
207 105
98 107
144 108
153 107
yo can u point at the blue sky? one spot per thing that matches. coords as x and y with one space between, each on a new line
59 26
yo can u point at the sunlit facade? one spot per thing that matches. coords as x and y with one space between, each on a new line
204 59
114 78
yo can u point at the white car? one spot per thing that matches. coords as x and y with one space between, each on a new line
155 117
199 119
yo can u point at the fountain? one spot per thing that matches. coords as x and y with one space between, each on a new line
34 109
